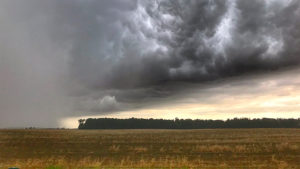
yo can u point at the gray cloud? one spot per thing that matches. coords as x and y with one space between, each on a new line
170 41
81 52
165 42
106 104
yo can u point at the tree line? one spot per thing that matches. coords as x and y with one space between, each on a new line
137 123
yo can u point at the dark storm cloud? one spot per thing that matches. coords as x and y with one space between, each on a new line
108 55
164 41
158 43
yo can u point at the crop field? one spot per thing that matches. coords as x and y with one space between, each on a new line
91 149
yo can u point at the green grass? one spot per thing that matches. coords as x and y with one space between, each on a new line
91 149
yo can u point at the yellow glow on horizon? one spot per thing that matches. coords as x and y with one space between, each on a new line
271 98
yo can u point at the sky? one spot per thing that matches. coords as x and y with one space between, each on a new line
61 60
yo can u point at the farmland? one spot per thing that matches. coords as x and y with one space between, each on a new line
209 148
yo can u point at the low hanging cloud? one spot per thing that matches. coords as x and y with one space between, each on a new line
107 104
114 55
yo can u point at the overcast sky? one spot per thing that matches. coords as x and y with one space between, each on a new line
61 60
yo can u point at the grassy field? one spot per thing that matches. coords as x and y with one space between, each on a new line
221 148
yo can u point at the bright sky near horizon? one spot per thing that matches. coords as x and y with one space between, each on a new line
272 96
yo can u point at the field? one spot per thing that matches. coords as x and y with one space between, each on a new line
220 148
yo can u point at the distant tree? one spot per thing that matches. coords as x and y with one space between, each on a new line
134 123
81 123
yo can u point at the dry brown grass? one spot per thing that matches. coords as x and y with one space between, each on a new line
71 149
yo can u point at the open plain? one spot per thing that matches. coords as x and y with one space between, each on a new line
211 148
